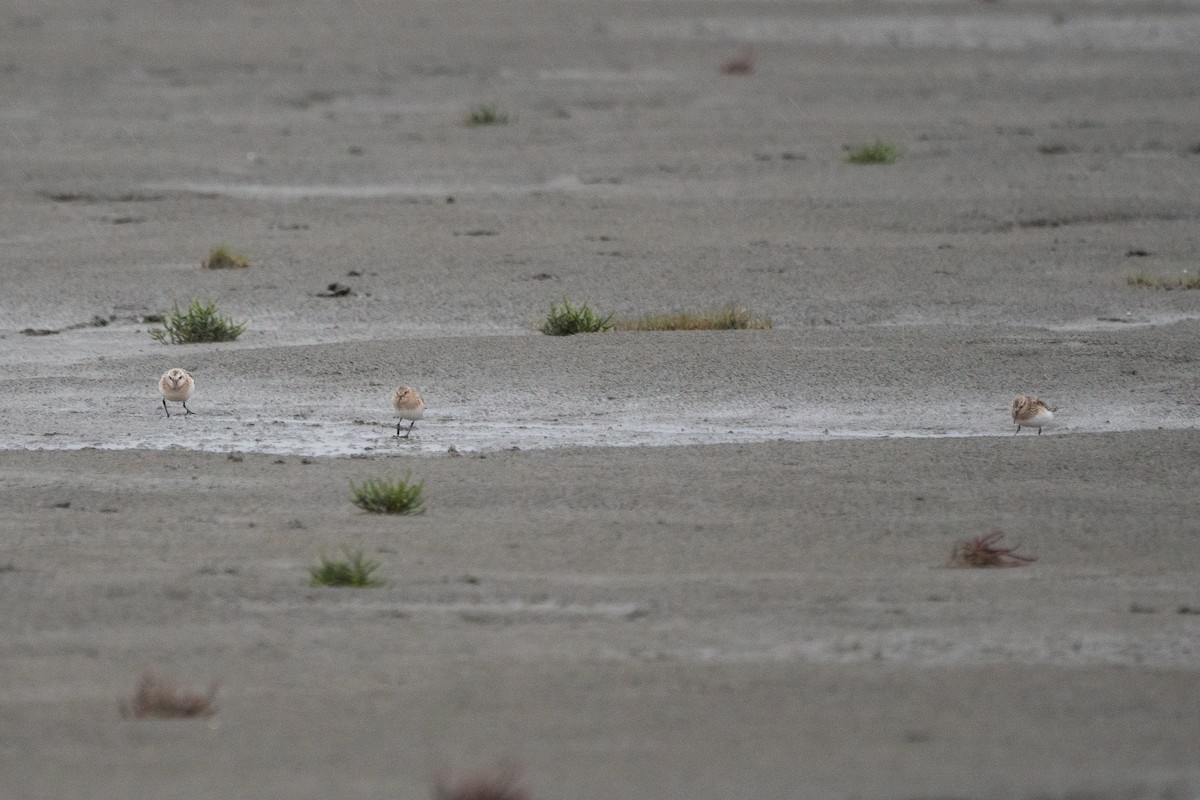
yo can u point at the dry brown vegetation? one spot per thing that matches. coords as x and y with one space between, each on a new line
984 551
500 783
741 64
155 697
727 318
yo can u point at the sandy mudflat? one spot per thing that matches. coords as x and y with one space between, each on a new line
660 566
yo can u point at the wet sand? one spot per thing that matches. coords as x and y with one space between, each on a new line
654 622
653 565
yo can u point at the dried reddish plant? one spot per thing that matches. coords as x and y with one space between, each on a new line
741 64
984 551
500 783
155 697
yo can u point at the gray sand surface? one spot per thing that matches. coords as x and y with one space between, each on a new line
729 620
678 565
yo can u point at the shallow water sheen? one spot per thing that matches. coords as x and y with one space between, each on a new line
441 433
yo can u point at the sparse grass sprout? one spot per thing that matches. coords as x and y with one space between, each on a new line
199 323
566 320
390 496
878 152
221 257
487 114
354 570
1162 282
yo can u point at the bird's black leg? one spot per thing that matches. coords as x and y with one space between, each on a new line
1018 430
185 408
398 424
410 427
1039 431
168 413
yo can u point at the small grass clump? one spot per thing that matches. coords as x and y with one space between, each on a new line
1161 282
730 317
354 570
199 323
878 152
984 551
394 496
567 320
221 257
487 114
155 697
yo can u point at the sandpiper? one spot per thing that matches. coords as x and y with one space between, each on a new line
176 385
408 405
1029 412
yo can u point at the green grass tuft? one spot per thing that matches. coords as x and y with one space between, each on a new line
567 320
878 152
355 570
221 257
199 323
384 496
727 318
1161 282
487 114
